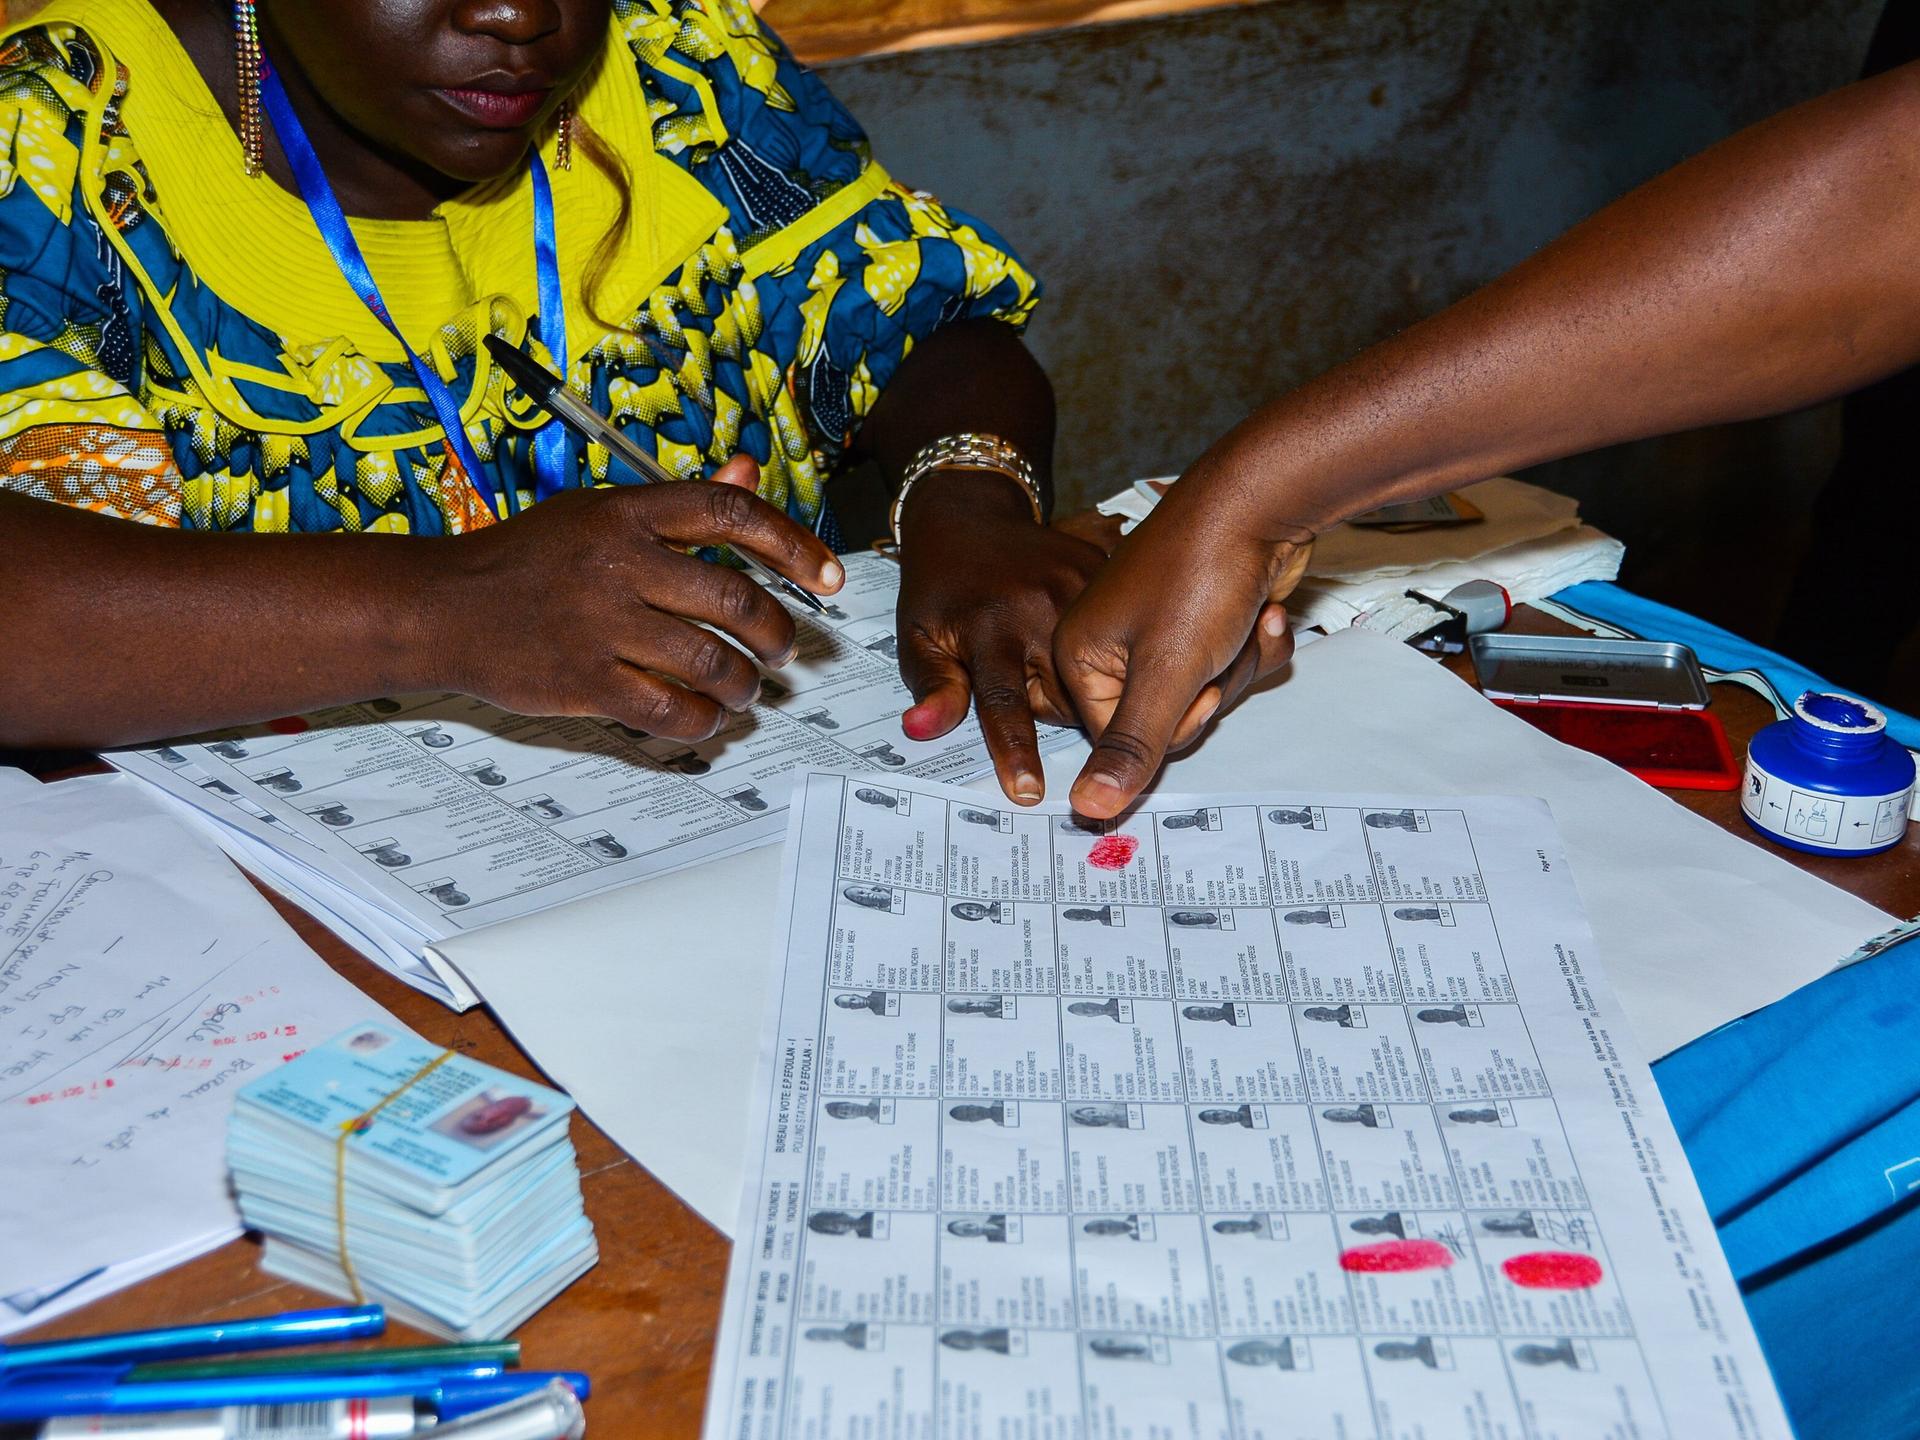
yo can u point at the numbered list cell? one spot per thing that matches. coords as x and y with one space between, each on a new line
876 1152
885 935
1001 1268
1121 1050
1001 1045
1125 1157
867 1265
998 854
1143 1273
1211 856
1423 855
1257 1158
1357 1053
881 1042
1099 862
1236 1051
1448 952
1297 1387
1426 1385
1476 1052
884 840
1397 1160
1338 953
1316 854
1414 1270
1227 955
1000 945
1006 1381
1511 1154
1002 1156
1112 950
1277 1274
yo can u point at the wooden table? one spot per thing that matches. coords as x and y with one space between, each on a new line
642 1323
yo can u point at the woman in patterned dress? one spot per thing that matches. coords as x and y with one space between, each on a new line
257 510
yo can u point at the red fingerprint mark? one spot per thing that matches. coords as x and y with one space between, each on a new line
1395 1257
288 725
1552 1270
1112 852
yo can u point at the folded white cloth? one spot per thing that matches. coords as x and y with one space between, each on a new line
1531 542
1530 570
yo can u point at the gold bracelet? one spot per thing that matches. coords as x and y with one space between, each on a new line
969 451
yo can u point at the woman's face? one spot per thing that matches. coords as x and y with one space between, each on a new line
461 86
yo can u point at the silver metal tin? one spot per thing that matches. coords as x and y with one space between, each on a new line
1661 674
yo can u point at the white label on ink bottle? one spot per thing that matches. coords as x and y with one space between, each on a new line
1844 824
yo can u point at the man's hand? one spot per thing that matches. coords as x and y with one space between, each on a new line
1181 620
982 588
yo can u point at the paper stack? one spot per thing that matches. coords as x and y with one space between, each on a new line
462 1209
176 984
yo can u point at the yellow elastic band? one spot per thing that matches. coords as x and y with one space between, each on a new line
358 1126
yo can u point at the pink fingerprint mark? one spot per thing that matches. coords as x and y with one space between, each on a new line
1112 852
288 725
1396 1257
1552 1270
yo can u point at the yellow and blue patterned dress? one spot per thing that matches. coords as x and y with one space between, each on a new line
177 347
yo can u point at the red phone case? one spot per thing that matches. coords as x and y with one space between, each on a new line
1674 749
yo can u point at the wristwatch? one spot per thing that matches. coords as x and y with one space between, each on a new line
969 451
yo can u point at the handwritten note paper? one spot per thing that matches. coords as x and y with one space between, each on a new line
142 982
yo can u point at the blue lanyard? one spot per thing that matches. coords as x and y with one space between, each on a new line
552 447
553 442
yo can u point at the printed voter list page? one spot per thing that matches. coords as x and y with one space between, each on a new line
1276 1117
456 814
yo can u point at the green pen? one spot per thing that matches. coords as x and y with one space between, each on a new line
485 1355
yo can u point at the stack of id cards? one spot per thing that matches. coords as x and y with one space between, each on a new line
462 1196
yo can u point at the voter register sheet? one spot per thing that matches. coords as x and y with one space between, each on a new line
1254 1117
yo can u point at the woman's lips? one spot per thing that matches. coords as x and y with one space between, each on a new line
497 109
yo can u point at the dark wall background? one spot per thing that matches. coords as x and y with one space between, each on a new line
1224 204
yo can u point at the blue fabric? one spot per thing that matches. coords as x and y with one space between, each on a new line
1802 1123
1719 650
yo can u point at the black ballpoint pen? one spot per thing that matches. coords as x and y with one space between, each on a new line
547 391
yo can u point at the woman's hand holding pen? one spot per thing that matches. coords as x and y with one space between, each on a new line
976 614
587 605
1173 628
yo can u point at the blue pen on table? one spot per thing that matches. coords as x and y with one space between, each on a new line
550 393
98 1390
220 1337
